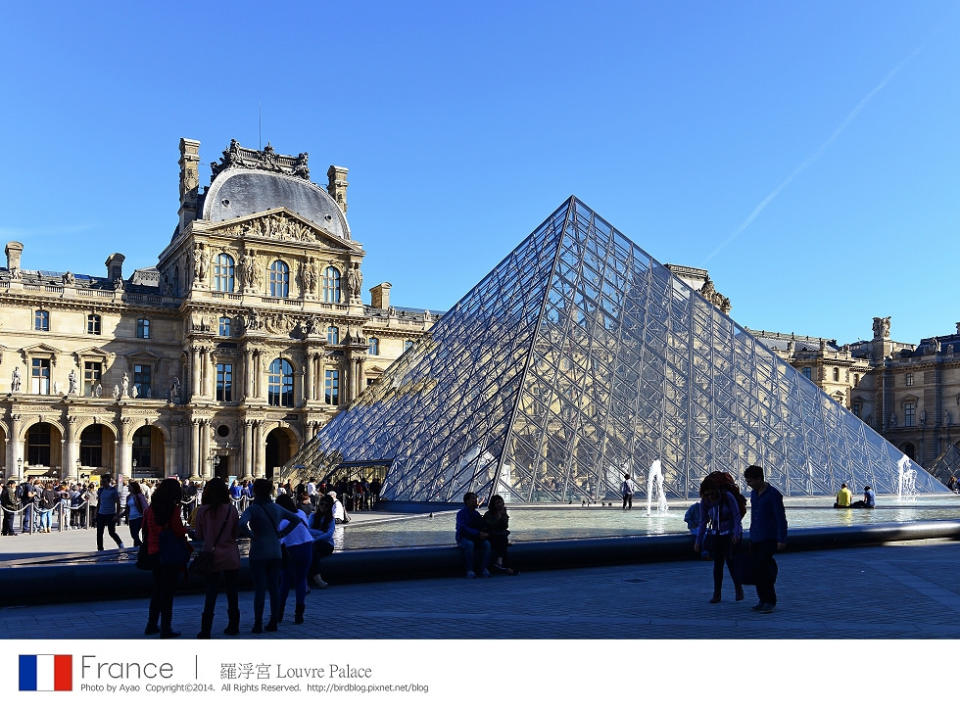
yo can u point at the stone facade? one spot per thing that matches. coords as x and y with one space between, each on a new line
248 335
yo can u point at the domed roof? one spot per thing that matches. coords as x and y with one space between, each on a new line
237 192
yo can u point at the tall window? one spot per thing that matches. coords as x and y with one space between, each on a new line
909 413
836 374
223 274
856 379
224 327
40 376
224 381
38 444
857 408
331 387
909 379
92 374
331 285
141 379
41 320
143 328
279 280
94 324
374 346
280 383
407 345
141 446
333 335
807 372
91 446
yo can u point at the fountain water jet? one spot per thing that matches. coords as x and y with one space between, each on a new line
906 480
655 487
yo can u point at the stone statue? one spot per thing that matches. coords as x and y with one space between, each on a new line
98 390
118 284
174 397
313 278
125 386
300 168
302 279
134 392
116 392
354 281
245 270
15 381
72 382
881 327
199 262
69 279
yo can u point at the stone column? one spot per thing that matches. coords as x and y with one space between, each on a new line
255 450
210 385
194 373
204 471
70 449
247 449
299 386
194 447
248 374
14 447
257 373
308 380
124 449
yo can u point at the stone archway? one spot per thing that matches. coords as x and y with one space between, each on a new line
910 450
280 445
42 450
97 445
148 452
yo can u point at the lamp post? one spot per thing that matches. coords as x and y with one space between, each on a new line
79 477
20 469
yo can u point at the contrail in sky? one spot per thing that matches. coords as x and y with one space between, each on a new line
813 157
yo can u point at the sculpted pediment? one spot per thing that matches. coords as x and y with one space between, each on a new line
93 353
40 349
282 225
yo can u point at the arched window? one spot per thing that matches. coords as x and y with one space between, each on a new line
280 383
279 280
331 285
223 274
224 329
374 346
143 328
41 320
407 345
333 335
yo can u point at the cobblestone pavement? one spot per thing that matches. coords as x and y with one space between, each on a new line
908 590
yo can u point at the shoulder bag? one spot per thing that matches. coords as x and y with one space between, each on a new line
203 562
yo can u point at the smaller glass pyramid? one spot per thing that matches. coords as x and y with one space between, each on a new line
579 358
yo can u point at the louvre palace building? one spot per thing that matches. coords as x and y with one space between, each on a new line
248 335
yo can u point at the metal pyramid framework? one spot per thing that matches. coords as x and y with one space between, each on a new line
580 358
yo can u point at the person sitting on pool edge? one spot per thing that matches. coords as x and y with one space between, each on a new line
471 537
869 500
843 497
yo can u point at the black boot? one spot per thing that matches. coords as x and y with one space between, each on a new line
271 627
206 623
233 626
298 618
257 627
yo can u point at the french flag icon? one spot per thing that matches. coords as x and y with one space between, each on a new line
46 673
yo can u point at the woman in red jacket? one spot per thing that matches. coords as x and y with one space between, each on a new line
169 555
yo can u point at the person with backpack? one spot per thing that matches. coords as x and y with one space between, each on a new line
27 494
108 512
627 488
720 528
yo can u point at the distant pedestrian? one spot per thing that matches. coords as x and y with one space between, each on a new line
627 488
844 497
496 521
11 504
108 512
869 500
28 494
136 508
768 535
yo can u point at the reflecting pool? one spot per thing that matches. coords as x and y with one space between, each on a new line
539 523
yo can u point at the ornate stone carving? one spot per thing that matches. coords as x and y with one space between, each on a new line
273 226
354 282
714 297
69 279
15 380
267 159
174 396
72 383
881 327
200 263
125 386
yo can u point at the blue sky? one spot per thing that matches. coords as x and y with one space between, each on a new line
805 153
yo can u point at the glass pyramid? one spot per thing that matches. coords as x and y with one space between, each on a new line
580 358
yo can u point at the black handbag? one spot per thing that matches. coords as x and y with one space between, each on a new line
145 561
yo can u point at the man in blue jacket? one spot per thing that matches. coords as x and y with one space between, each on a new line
768 535
471 537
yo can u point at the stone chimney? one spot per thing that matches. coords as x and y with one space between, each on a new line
189 180
114 265
380 296
14 250
337 185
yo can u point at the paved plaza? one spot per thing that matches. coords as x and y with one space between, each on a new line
900 590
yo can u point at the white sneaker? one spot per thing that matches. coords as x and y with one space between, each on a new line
318 580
